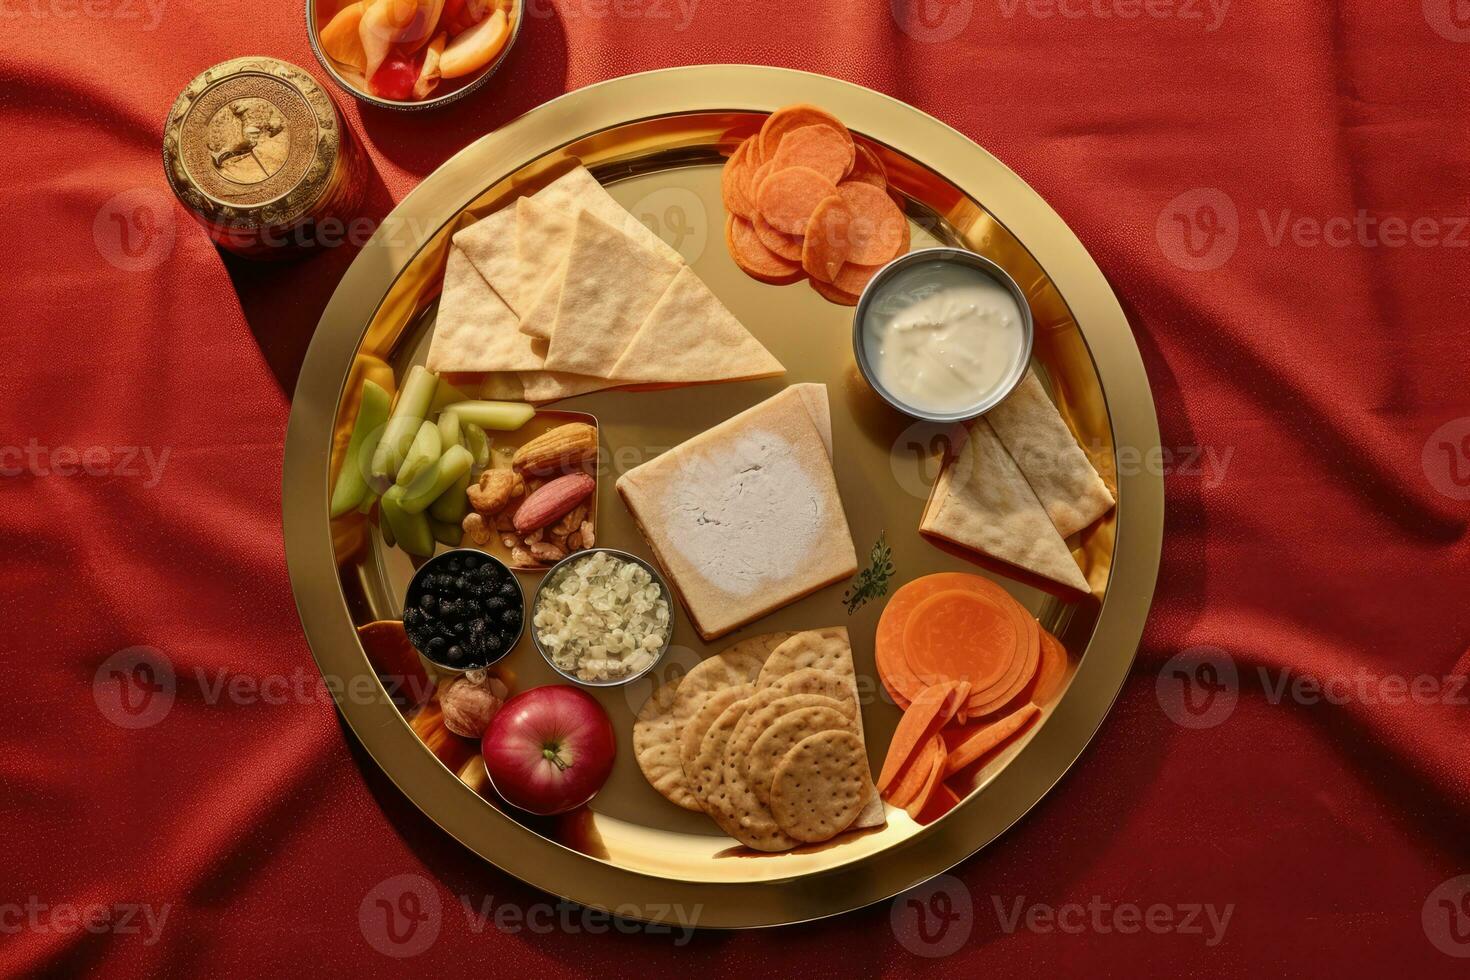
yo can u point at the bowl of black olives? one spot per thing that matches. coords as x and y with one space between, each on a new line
464 610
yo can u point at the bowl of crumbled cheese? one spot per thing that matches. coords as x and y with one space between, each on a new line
602 617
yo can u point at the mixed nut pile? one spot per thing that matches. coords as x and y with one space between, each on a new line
541 506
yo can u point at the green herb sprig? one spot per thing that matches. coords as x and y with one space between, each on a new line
872 582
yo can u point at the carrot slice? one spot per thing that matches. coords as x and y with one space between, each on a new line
734 180
868 169
832 294
793 117
1050 671
920 800
787 198
996 699
880 232
752 175
784 245
932 709
819 147
917 774
893 667
983 738
961 635
753 258
824 249
942 799
853 278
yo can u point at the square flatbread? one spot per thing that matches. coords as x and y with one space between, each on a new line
982 502
490 245
1037 438
611 285
745 517
690 336
474 330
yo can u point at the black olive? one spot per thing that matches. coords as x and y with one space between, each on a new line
508 589
454 655
420 636
452 564
412 617
471 562
496 603
494 642
436 646
511 617
427 603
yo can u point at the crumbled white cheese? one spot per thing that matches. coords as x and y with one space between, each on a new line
602 618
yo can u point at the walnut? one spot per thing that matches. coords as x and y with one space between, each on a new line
574 541
494 491
520 556
474 525
571 521
547 552
505 521
509 540
588 540
470 701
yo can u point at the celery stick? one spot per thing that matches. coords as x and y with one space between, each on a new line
446 532
409 412
423 454
505 416
411 530
449 430
385 530
437 479
369 499
352 484
478 443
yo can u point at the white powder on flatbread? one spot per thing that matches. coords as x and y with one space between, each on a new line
748 518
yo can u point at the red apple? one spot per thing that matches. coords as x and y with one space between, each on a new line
549 749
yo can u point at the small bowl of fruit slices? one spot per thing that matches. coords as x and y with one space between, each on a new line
412 54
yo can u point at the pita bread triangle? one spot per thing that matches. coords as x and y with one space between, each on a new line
690 336
489 244
612 283
474 329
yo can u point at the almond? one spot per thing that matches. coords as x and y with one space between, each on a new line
553 500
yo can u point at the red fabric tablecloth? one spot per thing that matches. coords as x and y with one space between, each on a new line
1307 342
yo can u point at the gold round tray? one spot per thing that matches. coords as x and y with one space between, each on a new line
656 141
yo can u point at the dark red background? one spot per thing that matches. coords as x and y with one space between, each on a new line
1334 543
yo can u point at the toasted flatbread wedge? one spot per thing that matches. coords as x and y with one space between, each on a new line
611 285
474 329
1037 438
577 191
490 246
690 337
982 502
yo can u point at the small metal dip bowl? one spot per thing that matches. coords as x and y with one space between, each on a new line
551 576
346 80
440 563
942 254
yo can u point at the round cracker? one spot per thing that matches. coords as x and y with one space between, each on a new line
739 663
764 708
733 808
692 736
782 736
824 649
656 747
820 786
812 680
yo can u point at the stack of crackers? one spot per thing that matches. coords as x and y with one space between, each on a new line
566 292
767 738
